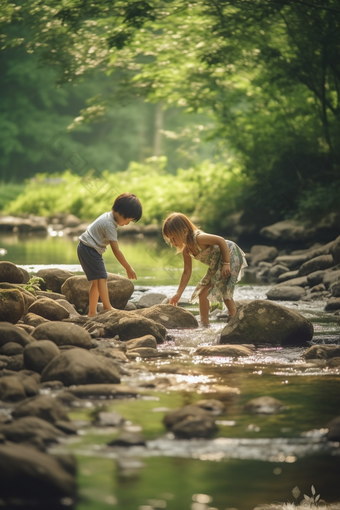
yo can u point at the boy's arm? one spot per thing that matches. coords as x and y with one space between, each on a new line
185 277
122 260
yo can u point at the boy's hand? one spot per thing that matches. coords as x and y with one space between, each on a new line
131 273
174 300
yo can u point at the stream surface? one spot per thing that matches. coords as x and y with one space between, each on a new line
253 459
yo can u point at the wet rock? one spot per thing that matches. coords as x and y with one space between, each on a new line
295 282
261 253
38 355
128 439
42 406
11 349
109 419
331 277
318 288
316 278
233 351
169 316
130 307
317 264
18 224
31 429
12 305
286 293
53 278
262 322
264 405
276 271
335 250
11 390
145 352
190 421
322 352
67 427
53 385
143 341
76 289
334 362
110 352
150 299
335 289
212 405
63 333
49 309
39 476
333 304
78 366
333 427
10 273
70 308
34 320
127 325
100 391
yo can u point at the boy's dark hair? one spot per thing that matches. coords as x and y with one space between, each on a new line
129 206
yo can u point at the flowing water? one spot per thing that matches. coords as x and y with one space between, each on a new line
253 459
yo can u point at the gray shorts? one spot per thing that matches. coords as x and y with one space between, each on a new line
92 262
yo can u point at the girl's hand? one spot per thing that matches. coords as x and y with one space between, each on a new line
226 271
174 300
131 273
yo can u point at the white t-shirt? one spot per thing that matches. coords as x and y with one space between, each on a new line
99 234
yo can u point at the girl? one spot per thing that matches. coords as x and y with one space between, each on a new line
224 258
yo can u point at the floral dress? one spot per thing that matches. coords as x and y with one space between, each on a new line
222 288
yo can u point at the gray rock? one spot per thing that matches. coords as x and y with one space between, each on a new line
144 341
51 295
317 264
232 351
100 391
262 322
150 299
34 320
26 274
144 352
78 366
264 405
110 352
190 421
39 476
76 289
290 275
130 306
315 278
128 439
295 282
42 406
276 271
335 250
70 308
261 253
286 293
10 273
11 390
333 304
322 352
49 309
53 278
335 289
12 305
63 333
29 429
287 230
11 348
38 355
213 406
331 277
169 316
109 419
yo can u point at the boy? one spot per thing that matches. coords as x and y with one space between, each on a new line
93 243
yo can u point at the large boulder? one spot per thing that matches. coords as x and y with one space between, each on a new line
335 250
11 333
12 305
150 299
286 293
261 253
127 325
315 278
38 355
169 316
10 273
49 309
78 366
76 289
265 323
316 264
42 406
39 477
28 297
63 333
53 278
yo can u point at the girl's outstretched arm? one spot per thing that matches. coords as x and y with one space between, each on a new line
204 240
185 277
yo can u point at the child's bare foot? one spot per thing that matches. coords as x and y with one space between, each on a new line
205 324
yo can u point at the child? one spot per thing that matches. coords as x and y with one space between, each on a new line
224 258
93 243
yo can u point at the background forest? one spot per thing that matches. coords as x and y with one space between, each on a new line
210 107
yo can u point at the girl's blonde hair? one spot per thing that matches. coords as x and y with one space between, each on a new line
177 224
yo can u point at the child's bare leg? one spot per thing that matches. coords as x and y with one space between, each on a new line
93 298
230 304
204 305
104 294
